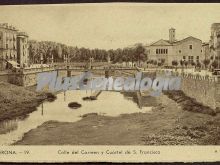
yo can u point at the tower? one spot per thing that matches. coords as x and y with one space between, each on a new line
172 35
22 49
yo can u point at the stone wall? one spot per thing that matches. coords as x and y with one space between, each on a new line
15 78
4 77
29 77
204 89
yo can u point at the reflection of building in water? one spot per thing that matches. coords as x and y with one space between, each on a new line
13 46
8 126
42 109
215 40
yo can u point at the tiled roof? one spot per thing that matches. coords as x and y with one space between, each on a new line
175 42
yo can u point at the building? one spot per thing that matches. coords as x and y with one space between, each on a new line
12 45
188 49
206 50
214 42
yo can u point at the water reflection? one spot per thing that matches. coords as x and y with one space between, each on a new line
108 103
42 109
8 126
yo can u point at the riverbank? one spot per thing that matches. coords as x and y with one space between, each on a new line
167 124
18 101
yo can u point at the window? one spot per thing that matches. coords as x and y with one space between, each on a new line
6 46
179 51
190 46
197 57
190 58
161 51
184 57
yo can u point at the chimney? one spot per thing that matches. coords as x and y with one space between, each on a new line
172 35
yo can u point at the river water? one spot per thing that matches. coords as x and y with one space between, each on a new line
108 103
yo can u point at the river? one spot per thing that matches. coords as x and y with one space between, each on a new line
109 103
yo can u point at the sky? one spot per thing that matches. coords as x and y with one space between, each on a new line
111 25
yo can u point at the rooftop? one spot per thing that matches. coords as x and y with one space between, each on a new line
7 26
22 34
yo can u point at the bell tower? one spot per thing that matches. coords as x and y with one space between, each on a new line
172 34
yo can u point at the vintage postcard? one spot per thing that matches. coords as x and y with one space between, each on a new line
110 82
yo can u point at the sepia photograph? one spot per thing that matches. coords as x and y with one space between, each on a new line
109 74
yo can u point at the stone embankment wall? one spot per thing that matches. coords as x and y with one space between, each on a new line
205 89
3 76
27 77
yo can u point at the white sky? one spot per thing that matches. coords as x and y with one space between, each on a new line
111 25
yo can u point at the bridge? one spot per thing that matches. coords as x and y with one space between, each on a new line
207 88
28 76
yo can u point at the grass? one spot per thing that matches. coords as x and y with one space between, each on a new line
189 104
17 101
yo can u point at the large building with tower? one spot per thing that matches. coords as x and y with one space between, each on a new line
13 47
188 49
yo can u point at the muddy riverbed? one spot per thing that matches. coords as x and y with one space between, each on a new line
107 104
166 124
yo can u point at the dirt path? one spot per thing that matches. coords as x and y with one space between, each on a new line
168 124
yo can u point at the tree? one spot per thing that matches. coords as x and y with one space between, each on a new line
182 63
162 61
32 53
175 63
139 53
215 64
186 63
206 62
198 64
154 62
193 63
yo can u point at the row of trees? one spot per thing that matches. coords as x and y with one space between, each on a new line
45 51
206 63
